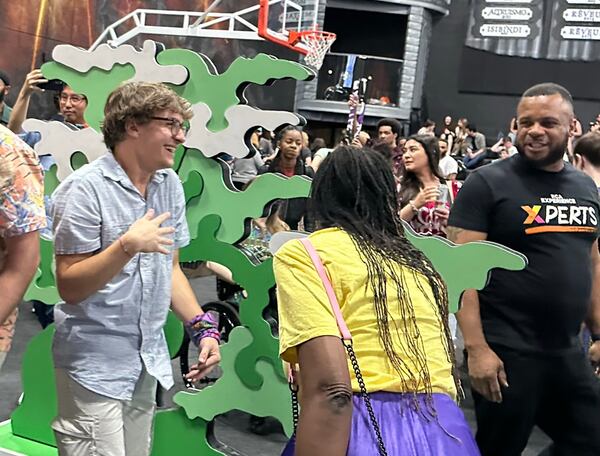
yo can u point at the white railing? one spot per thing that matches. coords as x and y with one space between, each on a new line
213 25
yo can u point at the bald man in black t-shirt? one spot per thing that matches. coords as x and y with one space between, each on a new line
521 332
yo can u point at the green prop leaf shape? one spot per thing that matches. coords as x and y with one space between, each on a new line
465 266
96 85
43 287
232 206
230 393
257 280
204 84
221 91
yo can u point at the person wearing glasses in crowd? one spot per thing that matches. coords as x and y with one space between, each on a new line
71 106
118 225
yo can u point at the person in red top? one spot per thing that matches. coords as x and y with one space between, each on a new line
287 162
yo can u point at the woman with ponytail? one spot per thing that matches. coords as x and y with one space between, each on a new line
287 161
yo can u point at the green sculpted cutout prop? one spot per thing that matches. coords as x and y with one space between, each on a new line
43 288
272 399
256 280
217 196
476 260
221 91
32 417
219 219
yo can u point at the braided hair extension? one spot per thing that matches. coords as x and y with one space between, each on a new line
355 190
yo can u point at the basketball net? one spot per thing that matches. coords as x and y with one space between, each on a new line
317 42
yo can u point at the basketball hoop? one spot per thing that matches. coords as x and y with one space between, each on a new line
305 39
317 43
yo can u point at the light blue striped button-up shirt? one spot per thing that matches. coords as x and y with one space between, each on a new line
104 341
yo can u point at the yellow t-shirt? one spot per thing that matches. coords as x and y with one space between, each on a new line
305 312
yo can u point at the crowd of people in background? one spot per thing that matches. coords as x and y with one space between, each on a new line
529 336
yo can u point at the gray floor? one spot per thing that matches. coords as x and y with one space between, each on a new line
231 429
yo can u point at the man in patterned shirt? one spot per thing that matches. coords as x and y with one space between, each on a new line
22 215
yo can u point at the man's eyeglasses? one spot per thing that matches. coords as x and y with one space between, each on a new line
75 99
175 124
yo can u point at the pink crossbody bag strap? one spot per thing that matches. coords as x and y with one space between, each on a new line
346 341
335 306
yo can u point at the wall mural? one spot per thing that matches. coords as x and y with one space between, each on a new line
219 218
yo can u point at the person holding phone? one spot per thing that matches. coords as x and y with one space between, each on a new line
71 105
30 86
425 198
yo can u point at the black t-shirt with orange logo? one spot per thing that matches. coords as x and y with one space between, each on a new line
552 218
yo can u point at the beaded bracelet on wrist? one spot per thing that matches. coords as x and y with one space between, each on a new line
202 326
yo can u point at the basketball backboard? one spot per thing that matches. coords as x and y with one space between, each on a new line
280 21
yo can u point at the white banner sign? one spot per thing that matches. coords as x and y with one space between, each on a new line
576 32
581 15
505 30
506 13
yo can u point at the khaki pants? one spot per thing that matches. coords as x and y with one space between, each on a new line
89 424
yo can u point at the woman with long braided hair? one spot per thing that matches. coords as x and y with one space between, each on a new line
395 305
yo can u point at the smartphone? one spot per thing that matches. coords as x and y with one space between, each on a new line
443 195
53 84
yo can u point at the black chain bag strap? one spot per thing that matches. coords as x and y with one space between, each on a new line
347 343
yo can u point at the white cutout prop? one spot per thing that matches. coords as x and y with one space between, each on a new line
239 118
105 57
62 142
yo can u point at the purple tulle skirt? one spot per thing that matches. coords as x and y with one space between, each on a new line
406 432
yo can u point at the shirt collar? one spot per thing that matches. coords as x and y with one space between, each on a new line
112 169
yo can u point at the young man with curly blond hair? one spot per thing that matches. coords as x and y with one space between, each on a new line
118 223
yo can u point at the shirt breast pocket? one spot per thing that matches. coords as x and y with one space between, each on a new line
110 235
